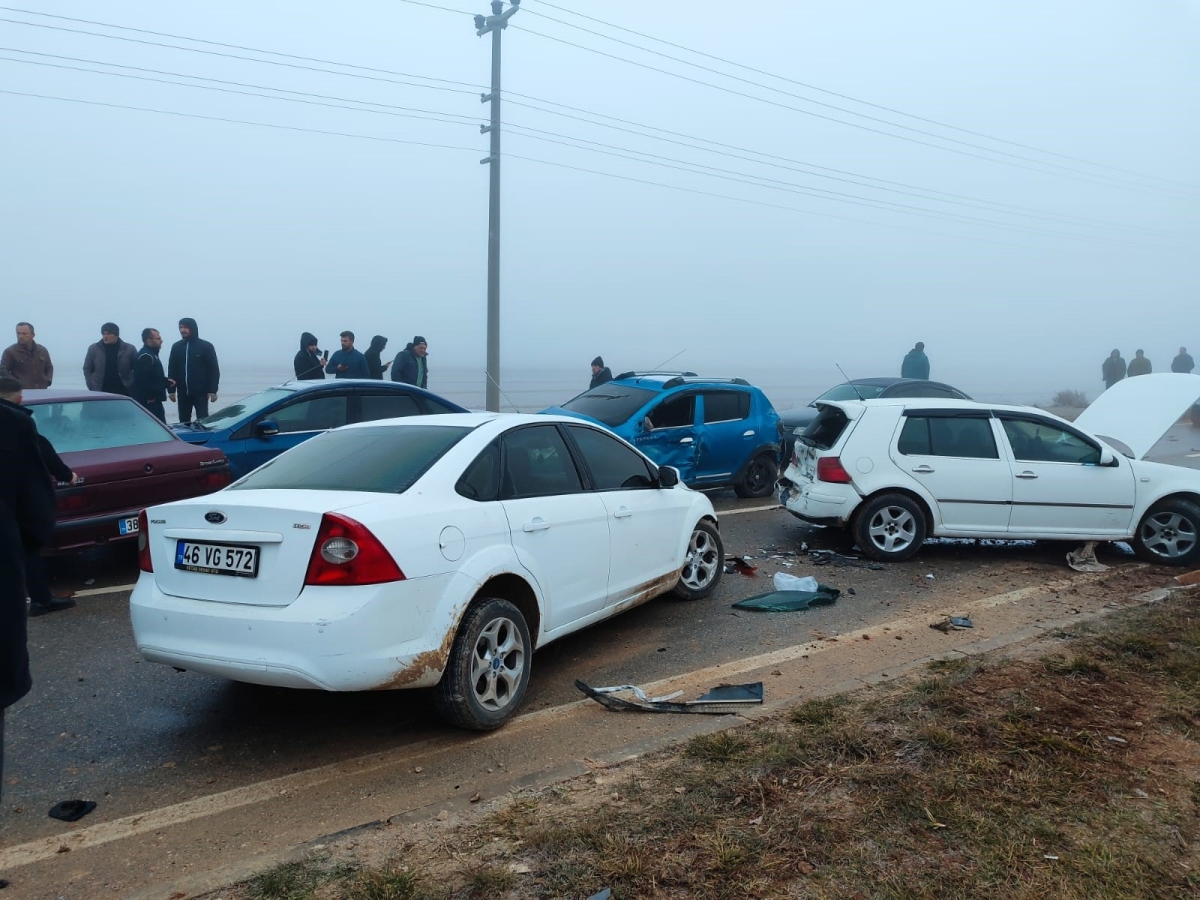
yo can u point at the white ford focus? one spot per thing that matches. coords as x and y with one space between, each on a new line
438 551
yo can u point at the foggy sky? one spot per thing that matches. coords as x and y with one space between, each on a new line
263 233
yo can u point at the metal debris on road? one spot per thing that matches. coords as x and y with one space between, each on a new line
1084 559
739 564
829 557
950 622
722 699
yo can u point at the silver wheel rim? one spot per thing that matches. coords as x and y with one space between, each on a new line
892 529
700 565
1169 535
498 664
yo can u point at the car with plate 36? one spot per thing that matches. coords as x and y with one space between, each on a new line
433 551
718 432
894 472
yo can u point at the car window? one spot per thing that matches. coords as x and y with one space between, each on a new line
537 464
674 412
431 407
614 466
610 404
824 431
314 414
969 438
726 406
481 480
382 459
393 405
849 391
1038 441
97 425
228 416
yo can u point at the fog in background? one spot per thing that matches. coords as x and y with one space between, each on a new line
263 232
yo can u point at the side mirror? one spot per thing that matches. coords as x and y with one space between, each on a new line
266 428
668 477
647 425
1107 457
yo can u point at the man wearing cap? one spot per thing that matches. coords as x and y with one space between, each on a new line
601 374
411 365
108 365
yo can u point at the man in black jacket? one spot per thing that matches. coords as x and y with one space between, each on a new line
412 364
309 364
192 372
149 382
375 365
601 374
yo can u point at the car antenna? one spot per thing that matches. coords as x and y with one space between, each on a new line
658 368
851 383
501 390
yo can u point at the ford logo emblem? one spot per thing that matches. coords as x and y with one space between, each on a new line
214 517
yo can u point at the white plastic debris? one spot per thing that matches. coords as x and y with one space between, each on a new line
1084 559
786 582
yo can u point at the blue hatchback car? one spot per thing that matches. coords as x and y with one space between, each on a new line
260 427
718 432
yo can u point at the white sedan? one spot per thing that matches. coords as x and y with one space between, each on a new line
431 552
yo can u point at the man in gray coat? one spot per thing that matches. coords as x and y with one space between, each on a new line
108 365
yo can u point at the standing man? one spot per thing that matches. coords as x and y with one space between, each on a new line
1139 365
916 363
108 365
27 361
601 374
1113 369
1183 363
309 364
192 372
412 364
348 362
149 381
375 365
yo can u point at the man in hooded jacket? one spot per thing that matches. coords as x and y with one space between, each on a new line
1113 369
309 364
192 372
601 374
412 364
375 365
108 365
149 381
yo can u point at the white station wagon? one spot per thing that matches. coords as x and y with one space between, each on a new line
894 472
437 551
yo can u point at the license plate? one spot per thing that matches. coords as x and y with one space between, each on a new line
128 526
217 559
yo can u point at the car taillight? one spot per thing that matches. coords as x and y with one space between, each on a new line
69 503
217 478
347 553
145 563
830 468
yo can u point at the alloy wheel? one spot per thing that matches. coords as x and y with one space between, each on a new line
700 564
1168 534
892 529
498 664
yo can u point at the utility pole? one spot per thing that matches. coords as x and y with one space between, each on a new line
495 24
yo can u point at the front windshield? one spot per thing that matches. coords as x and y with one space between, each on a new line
850 392
610 404
247 406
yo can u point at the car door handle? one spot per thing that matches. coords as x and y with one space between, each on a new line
538 524
623 512
748 433
923 470
685 440
1028 476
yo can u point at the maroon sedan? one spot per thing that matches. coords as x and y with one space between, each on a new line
126 460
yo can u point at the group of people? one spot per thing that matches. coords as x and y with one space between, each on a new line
115 366
411 365
1114 368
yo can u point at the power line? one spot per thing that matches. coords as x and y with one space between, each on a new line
813 87
1089 177
435 6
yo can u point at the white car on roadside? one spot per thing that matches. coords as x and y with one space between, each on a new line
432 552
895 472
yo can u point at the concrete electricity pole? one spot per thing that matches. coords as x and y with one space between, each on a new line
495 24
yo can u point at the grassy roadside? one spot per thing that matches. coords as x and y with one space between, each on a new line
1069 775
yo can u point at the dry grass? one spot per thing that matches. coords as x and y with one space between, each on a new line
1075 776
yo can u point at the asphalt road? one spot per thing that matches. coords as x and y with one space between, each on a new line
102 724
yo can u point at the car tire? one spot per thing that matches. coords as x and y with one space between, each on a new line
1169 533
759 478
889 528
703 564
487 671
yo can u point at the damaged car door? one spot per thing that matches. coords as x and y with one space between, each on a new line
668 435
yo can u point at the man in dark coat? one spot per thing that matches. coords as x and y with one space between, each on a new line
108 365
309 364
375 365
412 363
26 523
347 362
192 372
149 381
601 374
916 363
1139 365
1183 363
1113 369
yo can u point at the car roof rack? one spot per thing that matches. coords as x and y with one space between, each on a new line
690 378
654 372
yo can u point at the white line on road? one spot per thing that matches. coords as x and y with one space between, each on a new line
101 591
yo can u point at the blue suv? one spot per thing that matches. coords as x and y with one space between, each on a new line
718 432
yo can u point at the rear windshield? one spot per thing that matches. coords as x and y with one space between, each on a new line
851 392
610 403
247 406
97 425
383 460
825 429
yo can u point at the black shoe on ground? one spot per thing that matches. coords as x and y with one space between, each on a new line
54 604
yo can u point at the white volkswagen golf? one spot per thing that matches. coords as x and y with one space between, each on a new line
894 472
438 551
